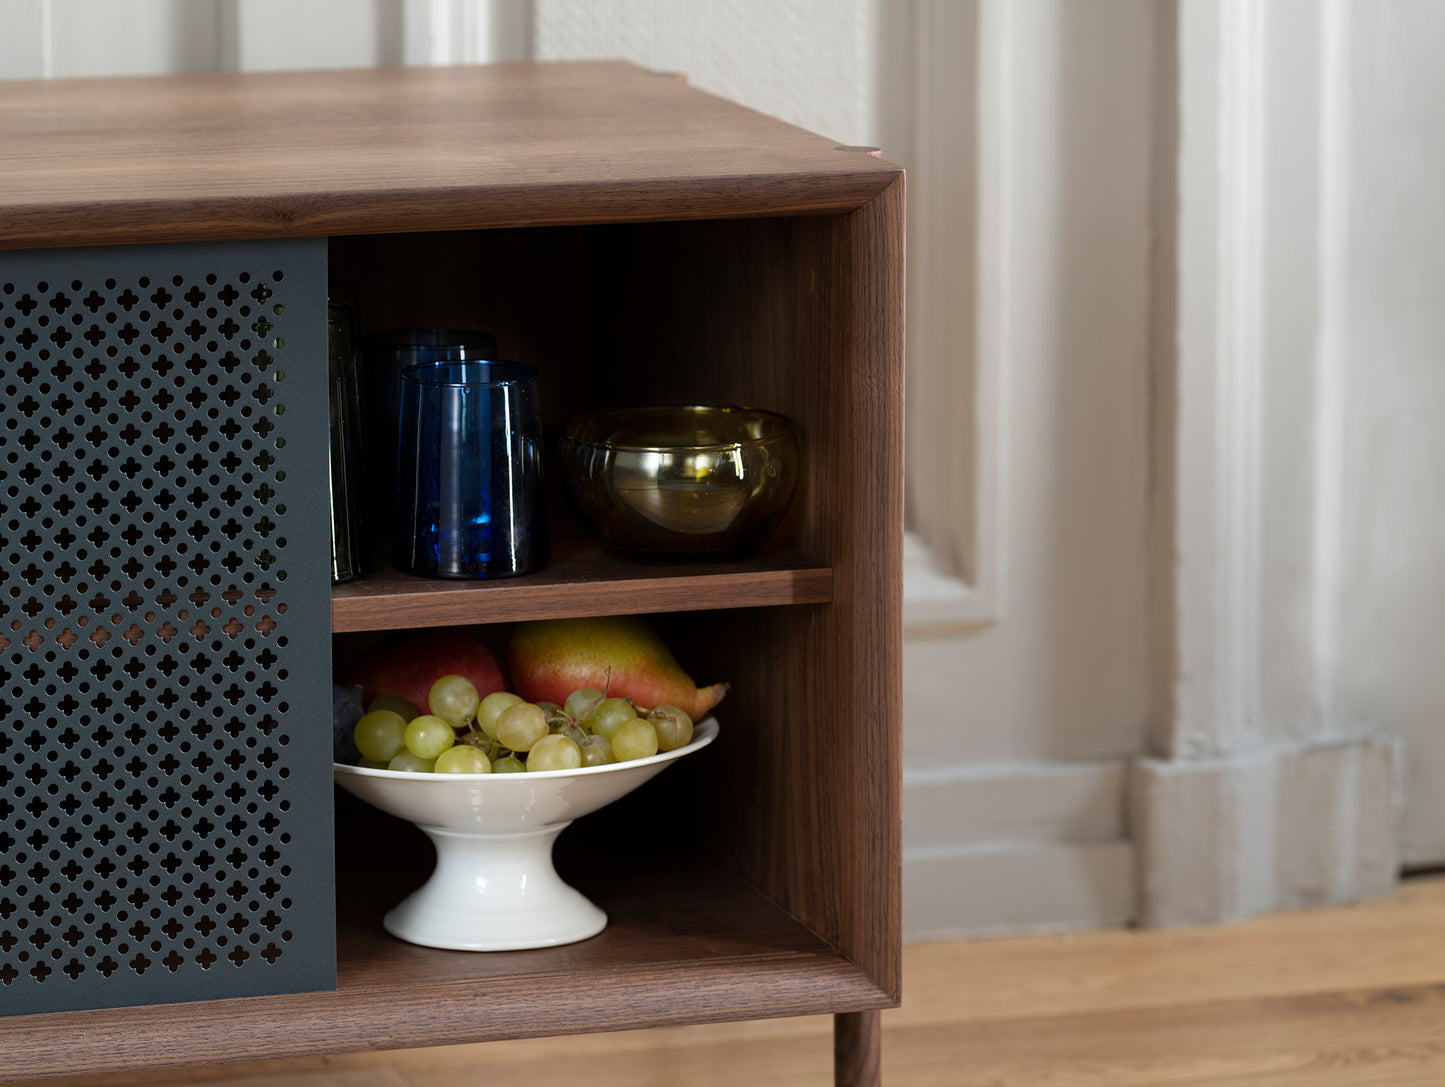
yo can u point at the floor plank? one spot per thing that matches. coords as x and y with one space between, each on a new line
1393 941
1339 997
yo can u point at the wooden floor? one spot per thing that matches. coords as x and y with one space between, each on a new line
1322 998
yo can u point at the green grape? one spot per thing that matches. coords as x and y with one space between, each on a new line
463 759
454 699
371 764
396 704
674 727
581 703
571 729
509 765
554 752
428 736
634 739
379 735
491 708
557 719
596 751
485 745
522 725
609 714
407 761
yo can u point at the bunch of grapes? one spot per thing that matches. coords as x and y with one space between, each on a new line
502 733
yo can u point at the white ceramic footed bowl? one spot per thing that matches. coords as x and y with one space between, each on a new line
494 887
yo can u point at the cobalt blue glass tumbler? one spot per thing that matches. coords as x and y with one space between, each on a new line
385 356
469 497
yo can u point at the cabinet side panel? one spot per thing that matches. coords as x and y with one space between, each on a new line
814 786
803 315
165 793
833 852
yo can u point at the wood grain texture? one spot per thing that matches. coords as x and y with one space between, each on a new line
844 658
1336 997
303 154
803 315
857 1052
584 581
639 242
695 947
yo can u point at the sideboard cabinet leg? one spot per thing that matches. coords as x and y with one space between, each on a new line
857 1049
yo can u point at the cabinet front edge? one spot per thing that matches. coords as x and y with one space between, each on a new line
296 215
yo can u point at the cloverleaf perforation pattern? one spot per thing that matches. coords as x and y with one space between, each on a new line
148 820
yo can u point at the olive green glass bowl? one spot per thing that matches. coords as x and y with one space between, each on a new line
681 481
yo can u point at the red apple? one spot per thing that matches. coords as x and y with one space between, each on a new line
408 662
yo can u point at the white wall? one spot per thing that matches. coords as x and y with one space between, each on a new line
810 62
1038 701
1392 328
1260 789
63 38
78 38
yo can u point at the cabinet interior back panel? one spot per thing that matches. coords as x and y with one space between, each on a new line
165 787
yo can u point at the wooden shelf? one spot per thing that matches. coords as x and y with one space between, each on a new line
580 580
696 946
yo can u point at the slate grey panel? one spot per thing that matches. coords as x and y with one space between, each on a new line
165 781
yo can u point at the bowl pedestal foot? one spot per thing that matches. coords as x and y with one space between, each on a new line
494 892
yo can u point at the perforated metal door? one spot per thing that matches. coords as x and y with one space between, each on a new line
165 788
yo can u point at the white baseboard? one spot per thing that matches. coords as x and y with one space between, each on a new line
1016 889
985 804
997 849
1222 839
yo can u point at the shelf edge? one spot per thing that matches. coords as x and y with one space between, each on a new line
312 215
256 1028
440 604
